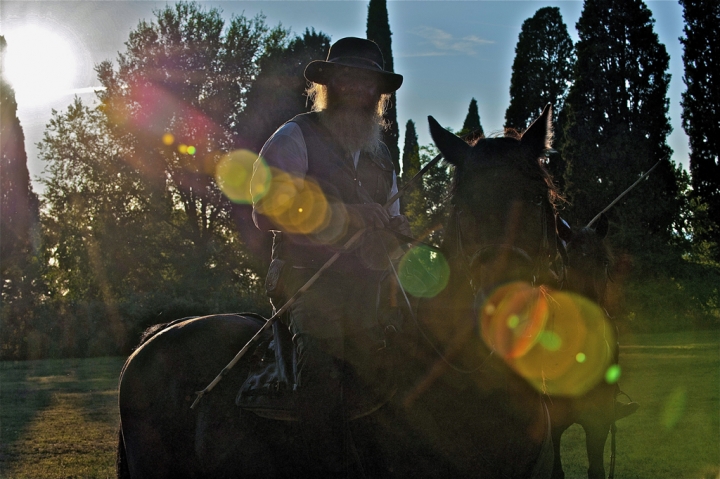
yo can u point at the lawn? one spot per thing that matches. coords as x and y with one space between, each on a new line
676 432
58 418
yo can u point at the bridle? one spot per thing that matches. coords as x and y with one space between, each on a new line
548 257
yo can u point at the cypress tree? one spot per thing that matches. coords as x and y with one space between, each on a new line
472 120
541 74
542 69
412 203
378 30
19 274
19 204
617 126
701 113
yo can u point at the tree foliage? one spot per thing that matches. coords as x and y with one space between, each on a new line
542 73
378 30
701 116
20 281
137 228
617 126
472 121
542 69
412 202
278 92
177 100
120 251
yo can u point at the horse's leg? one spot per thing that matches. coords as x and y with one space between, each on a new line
557 432
562 416
596 433
148 453
230 442
121 465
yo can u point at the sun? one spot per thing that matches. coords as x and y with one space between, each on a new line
39 64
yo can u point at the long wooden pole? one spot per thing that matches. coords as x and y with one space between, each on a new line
643 176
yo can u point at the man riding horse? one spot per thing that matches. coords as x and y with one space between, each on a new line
331 161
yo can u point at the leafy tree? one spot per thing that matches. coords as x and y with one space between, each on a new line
472 120
177 99
101 244
19 273
617 127
542 69
378 30
120 249
138 230
436 193
542 73
701 116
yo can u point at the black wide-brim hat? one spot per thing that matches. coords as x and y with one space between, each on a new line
351 52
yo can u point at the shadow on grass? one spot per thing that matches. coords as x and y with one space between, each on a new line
30 389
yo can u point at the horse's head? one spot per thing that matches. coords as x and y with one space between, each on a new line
503 218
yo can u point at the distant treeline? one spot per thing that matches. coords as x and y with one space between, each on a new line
145 215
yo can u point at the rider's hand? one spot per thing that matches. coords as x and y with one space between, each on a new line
400 224
371 215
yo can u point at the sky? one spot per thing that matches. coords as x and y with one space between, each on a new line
448 51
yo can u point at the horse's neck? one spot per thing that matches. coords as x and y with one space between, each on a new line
449 316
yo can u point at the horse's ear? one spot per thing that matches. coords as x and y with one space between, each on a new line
539 135
601 230
453 148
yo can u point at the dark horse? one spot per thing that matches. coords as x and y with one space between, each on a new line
589 262
459 410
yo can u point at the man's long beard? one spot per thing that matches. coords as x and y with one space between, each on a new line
353 127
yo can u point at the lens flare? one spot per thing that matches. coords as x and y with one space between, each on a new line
674 407
612 375
295 205
558 341
513 318
168 139
423 272
182 149
234 173
191 150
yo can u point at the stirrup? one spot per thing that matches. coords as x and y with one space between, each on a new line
623 410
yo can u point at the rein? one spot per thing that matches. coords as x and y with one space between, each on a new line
414 317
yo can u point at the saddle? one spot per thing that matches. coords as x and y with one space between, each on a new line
269 388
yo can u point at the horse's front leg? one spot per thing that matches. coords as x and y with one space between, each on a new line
557 432
595 437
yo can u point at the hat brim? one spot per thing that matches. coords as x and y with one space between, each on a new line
320 71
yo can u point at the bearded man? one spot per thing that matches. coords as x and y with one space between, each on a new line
330 177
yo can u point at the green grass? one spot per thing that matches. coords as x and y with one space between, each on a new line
58 418
676 432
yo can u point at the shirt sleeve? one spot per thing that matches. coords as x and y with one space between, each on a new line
285 150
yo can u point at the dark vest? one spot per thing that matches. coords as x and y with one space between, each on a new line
333 169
